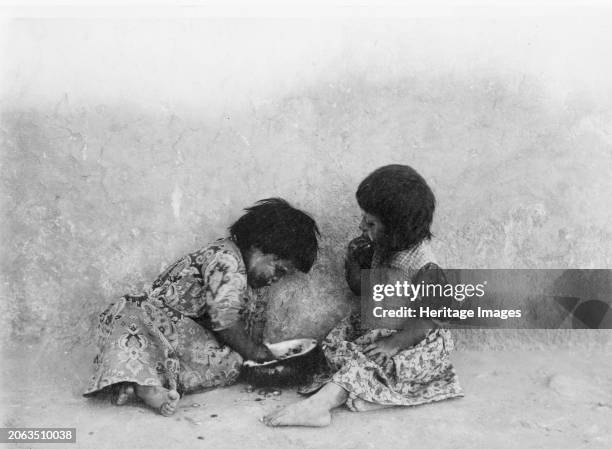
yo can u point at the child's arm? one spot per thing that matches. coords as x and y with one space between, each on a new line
414 330
358 257
237 338
387 347
352 271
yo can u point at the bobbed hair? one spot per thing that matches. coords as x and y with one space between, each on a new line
402 201
273 226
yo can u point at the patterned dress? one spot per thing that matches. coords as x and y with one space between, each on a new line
164 337
418 375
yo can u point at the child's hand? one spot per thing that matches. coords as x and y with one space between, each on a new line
263 354
360 252
382 350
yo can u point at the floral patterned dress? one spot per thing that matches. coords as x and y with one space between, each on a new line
417 375
164 337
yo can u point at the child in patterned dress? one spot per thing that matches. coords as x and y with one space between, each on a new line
186 332
377 368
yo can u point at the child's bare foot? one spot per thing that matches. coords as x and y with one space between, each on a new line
122 393
359 405
305 413
159 398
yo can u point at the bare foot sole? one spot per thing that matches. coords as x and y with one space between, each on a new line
159 398
359 405
300 414
122 393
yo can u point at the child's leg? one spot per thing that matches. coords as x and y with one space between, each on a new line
313 412
359 405
159 398
122 392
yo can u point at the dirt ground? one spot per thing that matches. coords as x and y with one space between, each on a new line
529 399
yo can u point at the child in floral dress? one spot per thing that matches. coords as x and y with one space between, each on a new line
187 331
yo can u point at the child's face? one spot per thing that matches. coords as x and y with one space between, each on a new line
372 227
266 269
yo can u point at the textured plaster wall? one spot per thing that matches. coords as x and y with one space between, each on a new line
127 143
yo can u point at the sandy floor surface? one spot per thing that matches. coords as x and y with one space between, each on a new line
544 399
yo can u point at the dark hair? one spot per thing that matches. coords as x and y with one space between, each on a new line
402 201
275 227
